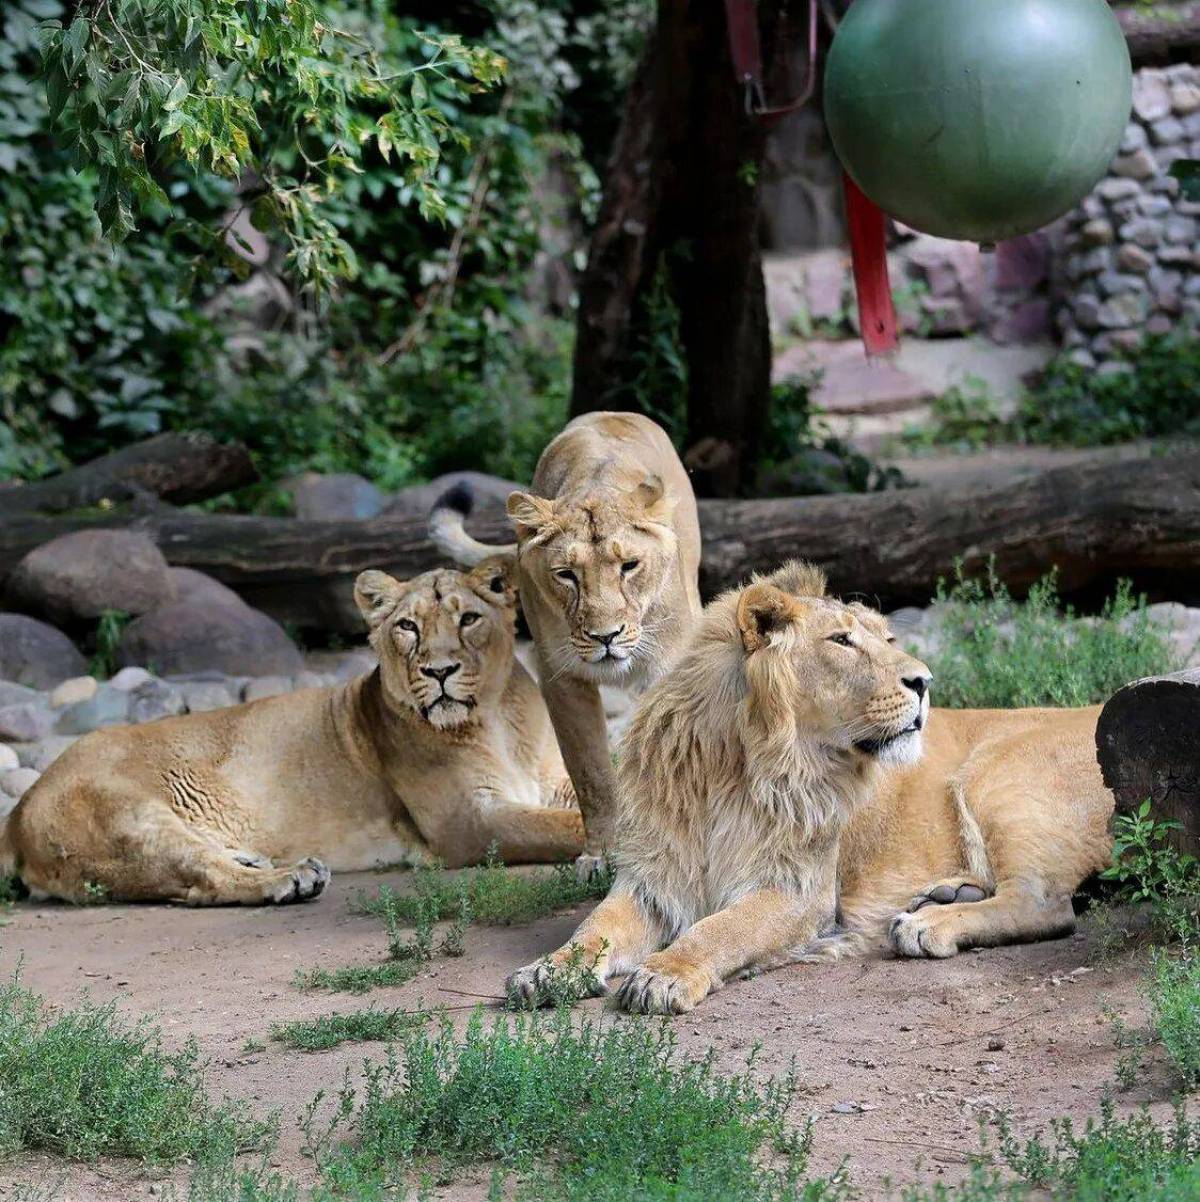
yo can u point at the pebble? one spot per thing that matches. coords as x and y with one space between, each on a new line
129 678
78 688
16 781
25 723
8 758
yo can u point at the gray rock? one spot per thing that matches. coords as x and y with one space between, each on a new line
1091 263
35 654
191 585
1134 138
1191 125
1117 189
312 680
1087 311
78 688
18 694
333 497
1112 282
1165 156
25 723
17 781
193 637
1153 206
154 699
1082 357
7 804
40 756
1169 129
342 666
8 758
1145 231
108 707
200 697
1097 232
80 575
1177 255
1141 164
1134 258
1185 98
266 686
1180 229
1151 97
128 679
1127 309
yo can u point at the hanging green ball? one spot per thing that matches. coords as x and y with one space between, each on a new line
977 119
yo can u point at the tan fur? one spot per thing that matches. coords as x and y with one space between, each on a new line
777 807
231 806
608 492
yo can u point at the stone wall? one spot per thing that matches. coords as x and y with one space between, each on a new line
1130 263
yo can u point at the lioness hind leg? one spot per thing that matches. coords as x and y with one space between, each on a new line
1018 913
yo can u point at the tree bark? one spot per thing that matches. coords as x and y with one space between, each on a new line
1147 747
681 209
179 468
1093 522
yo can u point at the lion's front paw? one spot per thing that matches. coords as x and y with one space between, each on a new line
555 981
528 987
305 881
919 935
947 892
647 991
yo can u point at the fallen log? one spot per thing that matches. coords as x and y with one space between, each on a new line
177 468
1148 751
1093 521
1160 33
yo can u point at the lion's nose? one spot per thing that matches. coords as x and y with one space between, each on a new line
604 639
441 673
918 684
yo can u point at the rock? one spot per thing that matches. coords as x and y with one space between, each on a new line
343 666
1112 282
1117 189
107 707
18 694
1181 624
312 680
266 686
199 697
1098 232
1134 258
825 280
191 636
1091 263
1121 312
1169 129
1185 98
1087 311
35 654
80 575
41 755
1139 165
128 679
1134 138
78 688
1151 98
191 585
17 781
154 699
8 758
490 492
333 497
1180 229
1153 206
25 723
1145 231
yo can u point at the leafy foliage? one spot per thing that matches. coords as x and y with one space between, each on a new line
993 652
84 1084
1175 999
330 1030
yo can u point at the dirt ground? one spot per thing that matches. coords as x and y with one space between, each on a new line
896 1059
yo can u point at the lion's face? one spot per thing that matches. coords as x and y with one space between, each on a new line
444 639
838 666
603 565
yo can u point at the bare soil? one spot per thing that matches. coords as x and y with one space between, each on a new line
897 1059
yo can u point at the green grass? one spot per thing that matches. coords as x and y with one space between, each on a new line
1175 1001
994 652
363 1026
496 896
588 1111
109 627
83 1083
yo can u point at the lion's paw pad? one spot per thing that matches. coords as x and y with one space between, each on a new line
946 893
646 992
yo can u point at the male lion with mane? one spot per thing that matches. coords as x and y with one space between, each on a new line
443 751
608 557
788 795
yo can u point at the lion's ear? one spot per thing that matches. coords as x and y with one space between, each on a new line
528 513
496 580
657 504
376 595
762 610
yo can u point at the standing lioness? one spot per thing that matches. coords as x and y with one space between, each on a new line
608 552
788 773
444 751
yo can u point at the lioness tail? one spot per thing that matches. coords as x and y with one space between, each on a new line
447 529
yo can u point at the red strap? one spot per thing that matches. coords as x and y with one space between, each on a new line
868 252
745 51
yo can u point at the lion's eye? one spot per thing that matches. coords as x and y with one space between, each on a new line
567 575
629 565
405 624
842 640
468 619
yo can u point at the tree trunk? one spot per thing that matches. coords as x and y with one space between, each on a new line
180 468
678 230
1093 521
1148 751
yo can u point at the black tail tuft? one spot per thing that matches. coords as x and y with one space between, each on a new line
458 497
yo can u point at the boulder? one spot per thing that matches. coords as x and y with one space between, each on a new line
16 781
18 694
106 707
8 758
154 699
490 493
200 696
34 654
191 585
192 636
80 575
335 496
267 686
25 723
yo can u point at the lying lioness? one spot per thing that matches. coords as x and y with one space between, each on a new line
777 770
608 555
443 751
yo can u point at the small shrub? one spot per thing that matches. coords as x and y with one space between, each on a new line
995 653
83 1084
964 416
109 627
1175 1001
363 1026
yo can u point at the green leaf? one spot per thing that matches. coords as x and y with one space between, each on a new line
74 41
1187 172
176 95
171 125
